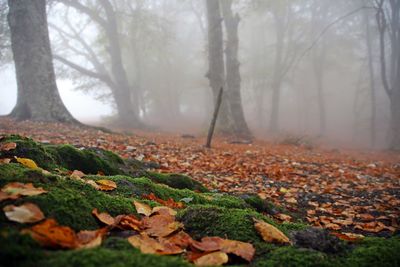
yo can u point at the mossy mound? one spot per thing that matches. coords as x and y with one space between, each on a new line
70 203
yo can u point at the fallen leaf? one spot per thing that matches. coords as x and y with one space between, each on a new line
350 237
150 245
162 210
50 234
215 258
208 244
106 185
283 217
241 249
169 203
161 225
8 146
77 175
129 222
15 190
5 161
142 208
25 213
90 239
27 163
270 233
93 184
104 217
180 239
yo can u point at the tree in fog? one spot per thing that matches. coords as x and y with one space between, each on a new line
105 16
38 97
388 19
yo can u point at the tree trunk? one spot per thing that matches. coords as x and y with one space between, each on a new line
232 64
216 71
277 76
125 106
38 97
371 79
319 57
395 121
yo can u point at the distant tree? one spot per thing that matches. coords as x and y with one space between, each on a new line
388 19
38 97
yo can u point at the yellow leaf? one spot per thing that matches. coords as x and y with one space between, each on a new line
106 185
215 258
142 208
270 233
27 163
283 190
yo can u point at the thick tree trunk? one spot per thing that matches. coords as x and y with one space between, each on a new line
216 71
233 79
38 97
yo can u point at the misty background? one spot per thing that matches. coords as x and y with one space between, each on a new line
323 63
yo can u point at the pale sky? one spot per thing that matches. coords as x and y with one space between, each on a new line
84 107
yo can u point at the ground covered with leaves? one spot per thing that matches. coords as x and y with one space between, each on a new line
102 209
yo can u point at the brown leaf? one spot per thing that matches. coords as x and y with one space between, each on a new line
160 225
283 217
208 244
106 185
241 249
129 222
169 203
142 208
104 217
180 239
270 233
15 190
5 161
150 245
26 213
50 234
162 210
90 239
215 258
350 237
8 146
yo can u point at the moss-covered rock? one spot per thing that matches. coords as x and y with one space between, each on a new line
176 181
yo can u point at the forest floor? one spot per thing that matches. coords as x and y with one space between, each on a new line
340 190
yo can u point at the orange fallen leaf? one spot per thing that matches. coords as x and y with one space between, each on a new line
283 217
142 208
350 237
5 161
332 226
50 234
180 239
8 146
106 185
270 233
129 222
169 203
162 210
241 249
25 213
77 175
215 258
208 244
150 245
104 217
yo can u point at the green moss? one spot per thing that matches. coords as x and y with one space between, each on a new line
176 181
376 252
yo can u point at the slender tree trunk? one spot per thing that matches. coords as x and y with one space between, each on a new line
216 71
371 79
319 57
126 109
277 77
232 64
38 97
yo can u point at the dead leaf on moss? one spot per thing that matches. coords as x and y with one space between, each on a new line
90 239
77 175
25 213
215 258
104 217
169 203
142 208
50 234
208 244
162 210
283 217
15 190
93 184
270 233
129 222
181 239
8 146
241 249
160 225
27 163
149 245
106 185
5 161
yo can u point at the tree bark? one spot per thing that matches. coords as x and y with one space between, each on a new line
232 64
216 71
38 97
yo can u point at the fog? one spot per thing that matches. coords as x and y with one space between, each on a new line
308 68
